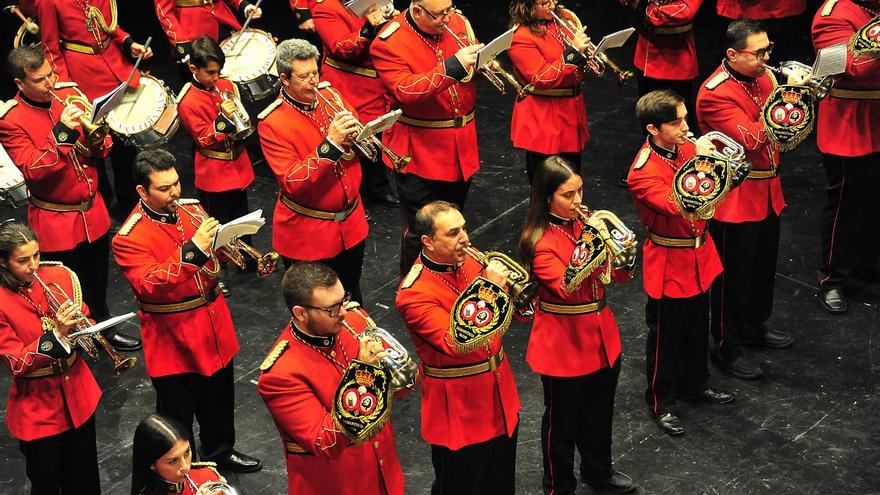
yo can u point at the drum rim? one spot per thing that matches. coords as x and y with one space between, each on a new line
117 124
253 73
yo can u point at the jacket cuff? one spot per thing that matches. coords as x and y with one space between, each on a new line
302 15
182 49
50 346
222 125
454 68
329 151
126 43
65 136
573 57
192 255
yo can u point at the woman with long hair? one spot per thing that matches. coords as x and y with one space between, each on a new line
162 460
52 402
574 343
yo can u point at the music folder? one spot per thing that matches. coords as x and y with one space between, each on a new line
361 7
494 47
830 61
614 40
379 124
97 327
245 225
104 104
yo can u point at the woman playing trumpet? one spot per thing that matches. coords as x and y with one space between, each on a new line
574 344
53 398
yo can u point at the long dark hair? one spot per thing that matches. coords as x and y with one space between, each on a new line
551 173
13 235
521 15
154 436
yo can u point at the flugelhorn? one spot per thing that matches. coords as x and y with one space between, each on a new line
821 87
95 133
495 74
240 118
121 364
210 487
597 62
236 249
522 290
370 146
620 240
728 150
404 370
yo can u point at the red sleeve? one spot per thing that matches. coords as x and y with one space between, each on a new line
168 19
338 40
150 277
408 87
20 358
673 13
527 58
829 30
651 191
426 319
49 37
719 112
199 125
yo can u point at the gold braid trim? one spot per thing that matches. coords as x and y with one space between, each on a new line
94 13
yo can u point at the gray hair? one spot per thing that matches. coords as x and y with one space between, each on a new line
294 49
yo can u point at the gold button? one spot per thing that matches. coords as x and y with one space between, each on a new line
498 374
381 462
66 378
376 444
333 353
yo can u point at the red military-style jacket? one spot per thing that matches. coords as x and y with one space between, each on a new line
424 79
185 323
298 383
313 173
46 397
456 412
59 169
665 48
543 123
570 344
228 167
667 271
65 35
731 103
200 473
302 10
848 126
760 9
185 20
347 63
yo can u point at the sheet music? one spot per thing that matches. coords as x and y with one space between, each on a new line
379 124
830 61
614 40
361 7
104 104
97 327
494 47
245 225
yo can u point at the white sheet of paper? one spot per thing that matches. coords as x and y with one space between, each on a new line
103 104
830 61
361 7
614 40
494 47
379 124
245 225
97 327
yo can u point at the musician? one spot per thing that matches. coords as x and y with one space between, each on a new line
425 57
302 14
348 67
189 340
574 344
306 139
680 263
470 405
43 136
553 119
783 19
849 139
185 20
52 402
301 376
746 225
162 460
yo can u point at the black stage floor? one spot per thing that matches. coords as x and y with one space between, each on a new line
808 427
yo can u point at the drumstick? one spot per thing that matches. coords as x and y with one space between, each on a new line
245 25
137 63
30 26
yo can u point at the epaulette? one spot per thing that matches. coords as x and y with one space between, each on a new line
129 224
828 7
203 464
65 84
412 276
271 108
717 80
355 307
51 263
273 355
388 31
188 201
642 159
350 305
7 106
183 91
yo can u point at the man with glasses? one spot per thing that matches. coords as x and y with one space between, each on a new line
746 225
306 139
300 378
425 58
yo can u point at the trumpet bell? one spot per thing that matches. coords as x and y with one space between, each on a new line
404 370
124 365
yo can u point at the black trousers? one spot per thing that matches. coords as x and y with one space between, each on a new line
415 192
66 463
742 296
486 467
210 399
122 158
348 265
676 349
850 238
375 183
534 159
578 413
89 262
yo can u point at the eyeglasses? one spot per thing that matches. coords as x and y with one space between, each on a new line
332 311
306 78
759 54
439 15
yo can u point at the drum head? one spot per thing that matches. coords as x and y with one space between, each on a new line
253 56
141 107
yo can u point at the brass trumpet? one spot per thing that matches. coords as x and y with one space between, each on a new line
730 150
95 133
240 118
821 87
620 240
236 250
522 290
121 364
597 63
370 146
404 370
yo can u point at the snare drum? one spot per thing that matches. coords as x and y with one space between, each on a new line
147 115
12 187
251 64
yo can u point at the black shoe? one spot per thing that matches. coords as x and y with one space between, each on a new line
622 182
122 342
773 339
709 395
238 463
387 199
616 482
224 289
739 366
669 423
833 301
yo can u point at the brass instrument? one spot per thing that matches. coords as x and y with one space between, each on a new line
240 118
521 289
730 150
495 74
27 22
404 370
121 364
597 63
236 250
94 132
210 487
370 146
821 87
620 240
